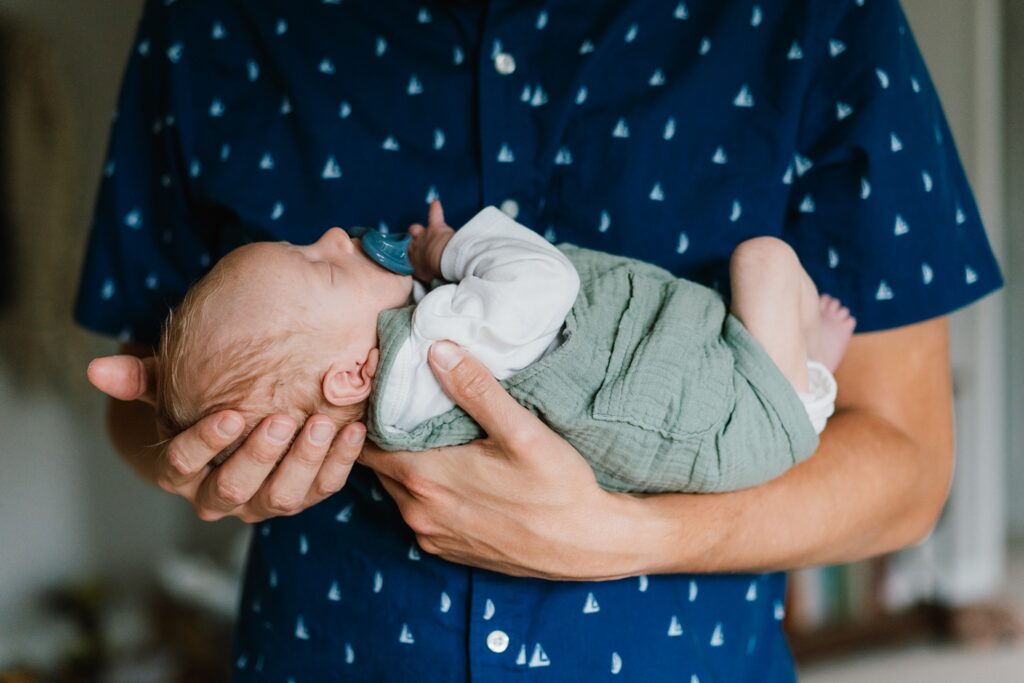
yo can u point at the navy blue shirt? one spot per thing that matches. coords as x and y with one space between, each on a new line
664 130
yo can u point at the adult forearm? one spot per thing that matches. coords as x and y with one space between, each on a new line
869 489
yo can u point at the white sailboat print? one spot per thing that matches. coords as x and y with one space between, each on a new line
606 222
345 514
693 590
446 602
833 258
489 610
926 274
900 227
539 658
752 592
674 627
644 581
590 605
616 663
378 581
621 130
331 169
300 629
334 594
406 635
350 654
683 244
718 636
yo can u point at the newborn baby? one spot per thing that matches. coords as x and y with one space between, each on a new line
648 376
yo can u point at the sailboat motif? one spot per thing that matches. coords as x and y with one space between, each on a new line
344 514
143 48
174 52
415 87
526 94
458 56
752 592
564 157
926 274
521 657
406 635
506 156
281 27
586 47
670 129
272 578
756 16
380 46
252 70
225 151
390 144
657 194
217 108
803 164
737 211
843 110
542 20
540 97
895 143
693 591
331 169
423 16
300 629
901 227
795 52
217 32
539 658
833 258
350 654
779 611
432 194
657 78
674 627
326 66
787 177
621 130
807 205
606 222
643 583
334 593
865 188
720 157
438 138
681 12
616 663
195 169
375 492
446 602
488 610
152 282
133 219
884 292
961 217
744 98
241 662
107 291
590 605
970 277
836 47
926 179
694 679
718 636
550 235
705 46
303 544
267 162
109 169
683 244
581 95
915 85
883 78
378 581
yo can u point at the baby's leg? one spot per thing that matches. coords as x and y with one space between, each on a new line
777 302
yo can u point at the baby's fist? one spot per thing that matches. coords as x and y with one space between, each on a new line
428 244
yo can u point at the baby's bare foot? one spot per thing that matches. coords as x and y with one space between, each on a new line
834 332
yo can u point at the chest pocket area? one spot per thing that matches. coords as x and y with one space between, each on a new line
669 371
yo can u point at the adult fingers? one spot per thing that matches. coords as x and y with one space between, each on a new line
186 456
338 464
475 390
395 465
124 377
416 229
285 491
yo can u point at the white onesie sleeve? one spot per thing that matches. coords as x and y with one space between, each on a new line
510 295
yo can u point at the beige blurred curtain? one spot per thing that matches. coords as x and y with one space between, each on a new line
41 237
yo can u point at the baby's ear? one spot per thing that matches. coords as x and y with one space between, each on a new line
345 385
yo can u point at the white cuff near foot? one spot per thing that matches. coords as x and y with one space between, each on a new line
820 401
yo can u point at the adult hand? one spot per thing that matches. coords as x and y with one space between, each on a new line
270 474
521 501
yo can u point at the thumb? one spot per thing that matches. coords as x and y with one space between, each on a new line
126 378
475 390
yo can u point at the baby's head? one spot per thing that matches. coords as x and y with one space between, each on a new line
277 328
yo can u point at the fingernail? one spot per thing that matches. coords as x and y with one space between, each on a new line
321 433
279 431
446 354
354 436
229 425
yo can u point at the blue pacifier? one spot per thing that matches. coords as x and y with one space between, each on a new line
389 251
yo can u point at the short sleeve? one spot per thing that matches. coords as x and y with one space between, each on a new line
145 245
881 212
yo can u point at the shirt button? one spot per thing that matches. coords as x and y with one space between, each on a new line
497 641
504 63
510 208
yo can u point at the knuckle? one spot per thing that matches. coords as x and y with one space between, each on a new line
165 483
421 487
427 544
328 487
284 503
177 461
474 384
418 521
208 514
231 493
250 517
